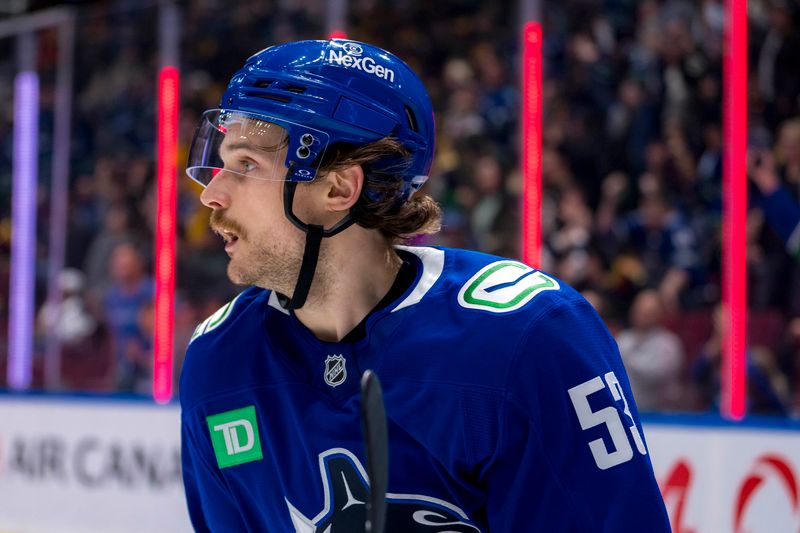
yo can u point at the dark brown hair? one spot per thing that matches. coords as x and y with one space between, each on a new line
380 205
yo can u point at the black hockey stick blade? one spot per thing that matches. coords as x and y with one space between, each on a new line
376 440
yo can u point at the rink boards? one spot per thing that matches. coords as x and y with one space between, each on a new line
80 464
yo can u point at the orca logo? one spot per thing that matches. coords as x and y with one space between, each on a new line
346 489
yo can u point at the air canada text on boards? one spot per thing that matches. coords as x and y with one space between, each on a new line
92 462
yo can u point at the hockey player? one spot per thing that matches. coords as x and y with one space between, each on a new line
508 407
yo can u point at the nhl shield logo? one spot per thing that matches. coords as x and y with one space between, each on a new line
335 370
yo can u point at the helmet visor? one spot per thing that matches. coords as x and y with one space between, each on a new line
254 146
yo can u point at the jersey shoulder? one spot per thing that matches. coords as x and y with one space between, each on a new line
223 317
481 286
228 334
481 315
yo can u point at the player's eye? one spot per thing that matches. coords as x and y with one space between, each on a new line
246 166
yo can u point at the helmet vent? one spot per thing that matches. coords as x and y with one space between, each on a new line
276 97
412 121
295 89
263 84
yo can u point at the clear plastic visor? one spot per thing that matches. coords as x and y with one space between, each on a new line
245 144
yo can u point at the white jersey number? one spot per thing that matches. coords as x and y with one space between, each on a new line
609 416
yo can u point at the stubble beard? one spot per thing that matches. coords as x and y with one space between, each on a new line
257 259
263 261
265 265
273 266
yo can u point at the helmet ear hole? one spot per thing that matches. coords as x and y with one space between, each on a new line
412 120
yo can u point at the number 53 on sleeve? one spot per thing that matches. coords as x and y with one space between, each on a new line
610 416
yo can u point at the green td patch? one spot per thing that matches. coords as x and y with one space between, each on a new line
504 286
234 435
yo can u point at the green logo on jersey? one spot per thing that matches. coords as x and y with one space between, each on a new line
504 286
212 322
234 435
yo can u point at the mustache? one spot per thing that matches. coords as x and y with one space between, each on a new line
219 223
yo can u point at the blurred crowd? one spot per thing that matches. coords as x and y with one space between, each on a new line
631 158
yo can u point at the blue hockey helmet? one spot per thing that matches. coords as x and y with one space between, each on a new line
307 96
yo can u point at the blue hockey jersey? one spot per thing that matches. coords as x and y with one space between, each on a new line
508 409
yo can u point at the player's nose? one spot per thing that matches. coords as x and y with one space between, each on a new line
215 196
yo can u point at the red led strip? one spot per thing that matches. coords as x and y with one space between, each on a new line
532 143
165 233
734 220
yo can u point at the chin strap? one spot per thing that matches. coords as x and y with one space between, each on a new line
314 235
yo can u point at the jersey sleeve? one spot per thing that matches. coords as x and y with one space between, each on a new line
210 505
571 455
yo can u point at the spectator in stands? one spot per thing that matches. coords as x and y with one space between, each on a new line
781 210
83 339
500 100
789 362
777 195
489 216
653 356
130 293
70 319
570 240
462 118
615 190
788 358
788 154
709 172
631 123
663 242
139 351
115 231
767 386
603 306
777 63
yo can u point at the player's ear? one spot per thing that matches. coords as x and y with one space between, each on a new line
344 188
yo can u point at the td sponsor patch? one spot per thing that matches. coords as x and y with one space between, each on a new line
234 435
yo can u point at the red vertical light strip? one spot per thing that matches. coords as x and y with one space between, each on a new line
532 143
338 34
165 232
734 219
